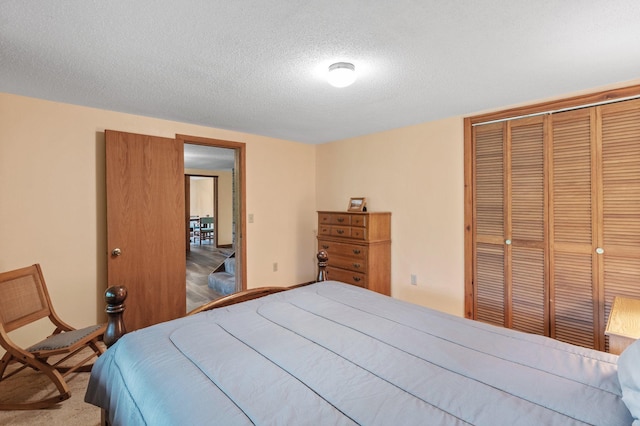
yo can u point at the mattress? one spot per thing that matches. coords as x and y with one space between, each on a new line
332 353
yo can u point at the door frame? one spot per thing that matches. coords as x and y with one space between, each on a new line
240 215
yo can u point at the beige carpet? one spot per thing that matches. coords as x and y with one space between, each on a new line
31 385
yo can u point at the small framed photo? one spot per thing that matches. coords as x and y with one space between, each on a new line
357 204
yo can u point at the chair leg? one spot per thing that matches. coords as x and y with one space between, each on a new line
63 389
4 362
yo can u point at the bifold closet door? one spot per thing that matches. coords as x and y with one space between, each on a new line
574 227
510 274
489 224
556 220
526 225
620 203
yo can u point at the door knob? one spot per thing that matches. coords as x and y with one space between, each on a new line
599 250
116 252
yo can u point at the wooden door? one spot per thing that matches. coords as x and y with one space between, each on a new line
574 228
620 212
509 225
526 226
489 224
145 221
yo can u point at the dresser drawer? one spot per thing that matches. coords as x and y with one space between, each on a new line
324 230
334 219
343 250
359 220
349 277
358 233
341 231
350 263
341 219
324 219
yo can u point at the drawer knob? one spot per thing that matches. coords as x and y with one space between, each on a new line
324 246
356 265
357 279
340 231
356 251
340 219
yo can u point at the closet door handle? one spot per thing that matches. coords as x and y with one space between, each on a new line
600 250
507 242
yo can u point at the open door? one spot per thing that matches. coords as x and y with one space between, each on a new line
145 225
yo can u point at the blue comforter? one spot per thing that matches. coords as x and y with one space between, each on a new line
335 354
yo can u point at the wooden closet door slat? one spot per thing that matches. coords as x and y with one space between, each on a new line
489 181
490 284
527 294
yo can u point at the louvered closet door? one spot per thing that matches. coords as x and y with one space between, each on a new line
525 270
621 201
489 229
509 225
573 236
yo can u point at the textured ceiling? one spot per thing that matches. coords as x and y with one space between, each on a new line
259 66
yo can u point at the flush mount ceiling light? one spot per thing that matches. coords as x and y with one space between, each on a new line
341 74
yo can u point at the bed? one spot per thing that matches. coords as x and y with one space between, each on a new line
335 354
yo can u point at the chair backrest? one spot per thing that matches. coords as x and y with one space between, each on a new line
23 297
206 222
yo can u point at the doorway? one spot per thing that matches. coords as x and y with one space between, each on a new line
214 192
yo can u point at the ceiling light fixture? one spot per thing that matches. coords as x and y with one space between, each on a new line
341 74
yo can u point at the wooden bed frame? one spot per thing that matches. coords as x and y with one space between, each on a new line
116 295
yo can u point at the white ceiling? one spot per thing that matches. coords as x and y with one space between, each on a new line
258 66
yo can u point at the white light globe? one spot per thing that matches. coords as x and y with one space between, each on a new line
341 74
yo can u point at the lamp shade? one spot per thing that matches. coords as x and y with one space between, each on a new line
341 74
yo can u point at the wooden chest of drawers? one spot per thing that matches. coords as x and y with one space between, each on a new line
359 248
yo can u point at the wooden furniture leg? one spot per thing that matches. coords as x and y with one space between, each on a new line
115 297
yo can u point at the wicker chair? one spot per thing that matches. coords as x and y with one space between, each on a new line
23 300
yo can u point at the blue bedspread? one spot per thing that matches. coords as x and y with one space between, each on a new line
335 354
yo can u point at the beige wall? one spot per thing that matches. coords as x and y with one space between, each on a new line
52 200
417 174
201 197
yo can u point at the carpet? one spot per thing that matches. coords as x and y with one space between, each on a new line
29 385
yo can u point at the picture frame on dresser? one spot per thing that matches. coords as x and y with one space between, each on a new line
357 204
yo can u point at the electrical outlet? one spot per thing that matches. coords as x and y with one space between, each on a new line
250 217
414 279
275 266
